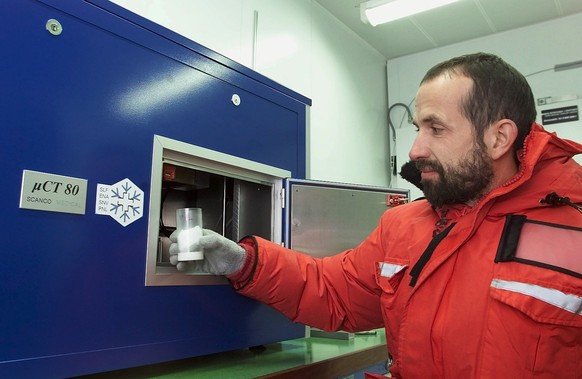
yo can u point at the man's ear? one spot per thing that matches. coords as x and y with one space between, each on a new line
500 137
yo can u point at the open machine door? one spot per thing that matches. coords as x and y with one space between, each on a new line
326 218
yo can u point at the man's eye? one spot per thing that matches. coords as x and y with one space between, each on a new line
436 130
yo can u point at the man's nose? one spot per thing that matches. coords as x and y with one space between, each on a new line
419 149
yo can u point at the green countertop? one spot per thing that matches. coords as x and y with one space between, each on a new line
303 357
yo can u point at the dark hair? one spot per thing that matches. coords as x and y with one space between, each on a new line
499 91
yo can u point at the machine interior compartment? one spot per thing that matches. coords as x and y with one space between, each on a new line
238 198
230 206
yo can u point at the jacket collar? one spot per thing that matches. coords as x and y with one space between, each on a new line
540 149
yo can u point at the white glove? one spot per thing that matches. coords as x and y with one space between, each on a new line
221 255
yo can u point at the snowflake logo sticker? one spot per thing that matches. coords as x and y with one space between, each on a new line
123 201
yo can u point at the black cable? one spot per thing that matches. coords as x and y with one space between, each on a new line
390 118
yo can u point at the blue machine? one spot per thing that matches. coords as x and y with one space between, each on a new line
86 87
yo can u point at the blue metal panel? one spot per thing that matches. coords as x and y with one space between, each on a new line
86 104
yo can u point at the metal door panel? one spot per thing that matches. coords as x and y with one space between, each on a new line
325 218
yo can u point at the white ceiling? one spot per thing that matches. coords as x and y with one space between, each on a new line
461 21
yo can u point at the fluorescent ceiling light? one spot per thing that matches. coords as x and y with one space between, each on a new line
377 12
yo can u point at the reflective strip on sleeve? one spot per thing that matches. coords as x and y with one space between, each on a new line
388 270
570 303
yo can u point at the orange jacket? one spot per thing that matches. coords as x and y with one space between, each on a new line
473 310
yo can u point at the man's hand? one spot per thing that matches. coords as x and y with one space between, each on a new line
221 255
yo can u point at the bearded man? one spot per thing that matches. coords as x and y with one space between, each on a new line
483 277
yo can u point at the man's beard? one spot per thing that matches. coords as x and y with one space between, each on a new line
463 184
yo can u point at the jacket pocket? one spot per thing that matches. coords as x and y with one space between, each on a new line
389 275
534 324
540 301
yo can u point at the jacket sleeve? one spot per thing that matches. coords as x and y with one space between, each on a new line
332 293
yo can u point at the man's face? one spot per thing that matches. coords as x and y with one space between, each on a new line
454 168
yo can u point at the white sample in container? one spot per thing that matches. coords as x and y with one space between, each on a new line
188 244
189 229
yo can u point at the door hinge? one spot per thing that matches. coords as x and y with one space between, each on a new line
283 198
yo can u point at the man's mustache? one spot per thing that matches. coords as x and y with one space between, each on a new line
422 165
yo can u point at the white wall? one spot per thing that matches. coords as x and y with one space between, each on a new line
530 50
300 45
